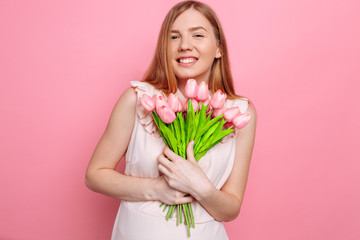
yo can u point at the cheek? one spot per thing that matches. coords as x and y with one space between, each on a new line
173 49
209 50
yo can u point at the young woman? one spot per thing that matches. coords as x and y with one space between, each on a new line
191 44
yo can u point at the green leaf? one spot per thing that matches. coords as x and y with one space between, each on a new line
221 135
190 122
209 123
183 135
166 133
216 132
171 139
200 155
205 137
158 122
200 118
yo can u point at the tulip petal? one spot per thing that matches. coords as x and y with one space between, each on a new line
191 88
218 99
241 120
147 102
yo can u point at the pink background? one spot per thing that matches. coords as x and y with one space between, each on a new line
64 64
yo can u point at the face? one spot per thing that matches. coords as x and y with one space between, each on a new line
193 47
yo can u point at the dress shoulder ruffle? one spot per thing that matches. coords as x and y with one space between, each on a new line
144 116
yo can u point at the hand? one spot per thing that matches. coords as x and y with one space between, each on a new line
184 175
169 195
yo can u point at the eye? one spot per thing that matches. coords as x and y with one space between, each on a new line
174 37
198 35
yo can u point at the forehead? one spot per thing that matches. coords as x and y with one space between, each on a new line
189 19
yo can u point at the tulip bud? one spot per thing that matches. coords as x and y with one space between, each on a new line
218 99
230 113
218 112
191 88
194 102
160 101
173 102
209 108
180 107
206 103
241 120
166 114
203 92
147 102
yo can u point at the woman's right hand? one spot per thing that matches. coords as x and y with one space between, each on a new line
169 195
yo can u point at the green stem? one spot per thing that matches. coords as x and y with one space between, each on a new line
177 215
191 215
165 208
187 219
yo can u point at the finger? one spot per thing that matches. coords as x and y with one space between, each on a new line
164 171
170 154
190 152
183 200
163 160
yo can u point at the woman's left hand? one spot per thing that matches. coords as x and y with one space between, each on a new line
184 174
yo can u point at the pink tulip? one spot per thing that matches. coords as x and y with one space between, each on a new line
147 102
241 120
180 107
191 88
194 102
160 101
166 114
159 96
174 103
218 99
209 108
206 103
203 92
218 112
230 113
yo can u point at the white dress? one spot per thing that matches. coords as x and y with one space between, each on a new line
146 220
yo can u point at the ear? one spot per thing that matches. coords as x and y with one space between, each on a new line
218 53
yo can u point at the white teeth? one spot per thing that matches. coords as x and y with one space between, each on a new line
187 60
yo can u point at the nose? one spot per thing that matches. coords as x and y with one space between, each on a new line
185 44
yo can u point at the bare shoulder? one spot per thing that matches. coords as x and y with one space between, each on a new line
127 99
123 114
126 103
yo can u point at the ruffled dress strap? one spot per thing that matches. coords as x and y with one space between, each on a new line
145 117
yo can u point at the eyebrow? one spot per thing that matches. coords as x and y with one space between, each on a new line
190 29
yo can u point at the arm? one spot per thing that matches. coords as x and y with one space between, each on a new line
187 176
101 175
225 205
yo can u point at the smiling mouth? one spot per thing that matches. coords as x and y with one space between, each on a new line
186 60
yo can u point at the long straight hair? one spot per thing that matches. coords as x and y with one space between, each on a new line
160 73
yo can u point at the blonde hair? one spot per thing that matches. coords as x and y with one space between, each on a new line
160 73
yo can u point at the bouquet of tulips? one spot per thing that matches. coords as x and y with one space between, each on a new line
203 119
